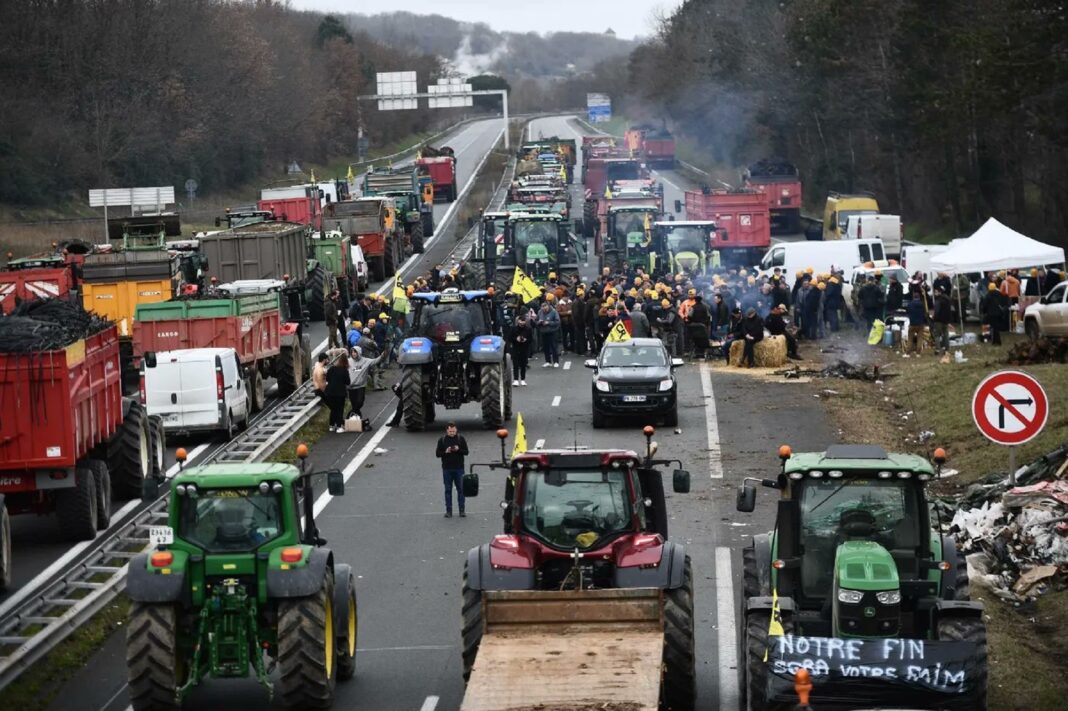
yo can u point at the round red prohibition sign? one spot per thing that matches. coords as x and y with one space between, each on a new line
1010 407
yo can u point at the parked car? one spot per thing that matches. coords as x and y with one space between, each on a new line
634 377
1049 317
196 390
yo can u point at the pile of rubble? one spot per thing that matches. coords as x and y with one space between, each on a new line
1016 537
1042 350
841 369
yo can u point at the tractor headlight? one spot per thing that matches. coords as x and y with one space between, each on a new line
264 487
666 384
851 597
180 490
889 597
191 491
277 487
602 385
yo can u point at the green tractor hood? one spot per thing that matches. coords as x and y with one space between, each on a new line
867 597
537 253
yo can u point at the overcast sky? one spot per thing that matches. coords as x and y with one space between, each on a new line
629 18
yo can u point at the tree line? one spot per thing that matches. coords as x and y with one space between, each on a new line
950 112
115 93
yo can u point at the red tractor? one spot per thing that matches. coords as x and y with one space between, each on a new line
585 544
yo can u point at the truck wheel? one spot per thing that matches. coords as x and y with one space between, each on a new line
153 663
317 293
289 370
102 482
1031 328
257 394
129 453
412 399
389 259
346 621
679 691
5 548
157 444
76 507
756 669
969 629
472 625
306 649
417 238
504 278
492 396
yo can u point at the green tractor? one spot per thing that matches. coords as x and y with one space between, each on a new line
240 573
856 587
540 245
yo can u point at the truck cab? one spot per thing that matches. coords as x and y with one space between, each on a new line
840 207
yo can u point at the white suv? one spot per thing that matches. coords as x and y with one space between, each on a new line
1049 317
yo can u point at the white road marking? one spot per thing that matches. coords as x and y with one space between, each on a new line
539 444
726 634
665 179
567 365
418 648
556 401
715 462
430 704
350 469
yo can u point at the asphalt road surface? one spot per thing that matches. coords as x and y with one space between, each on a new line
408 559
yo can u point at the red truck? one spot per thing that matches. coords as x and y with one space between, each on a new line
440 165
68 436
741 216
658 149
300 203
781 184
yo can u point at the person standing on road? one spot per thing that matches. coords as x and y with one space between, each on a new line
549 328
519 339
359 369
941 317
451 450
319 375
330 313
698 323
993 308
337 383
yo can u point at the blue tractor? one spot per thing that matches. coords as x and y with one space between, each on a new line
453 357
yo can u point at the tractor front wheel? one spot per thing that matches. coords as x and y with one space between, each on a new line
289 369
492 395
317 293
412 402
679 690
472 625
969 629
417 238
153 664
306 649
756 669
346 620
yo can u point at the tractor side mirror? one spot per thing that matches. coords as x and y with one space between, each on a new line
678 206
335 482
470 484
150 359
746 500
149 489
591 363
680 481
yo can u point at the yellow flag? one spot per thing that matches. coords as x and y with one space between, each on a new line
520 436
607 192
618 333
563 173
524 286
351 176
775 628
313 175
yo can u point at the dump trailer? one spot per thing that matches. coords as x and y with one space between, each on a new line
43 277
741 214
296 203
68 437
413 195
658 149
440 165
781 183
372 223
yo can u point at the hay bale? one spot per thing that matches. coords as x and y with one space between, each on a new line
769 353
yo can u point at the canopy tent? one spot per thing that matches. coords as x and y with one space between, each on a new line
994 247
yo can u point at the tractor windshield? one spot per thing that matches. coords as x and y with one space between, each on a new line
230 520
576 509
451 323
629 228
828 518
688 239
535 232
622 170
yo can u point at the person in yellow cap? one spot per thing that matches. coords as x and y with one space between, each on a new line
669 326
809 270
550 296
800 273
552 276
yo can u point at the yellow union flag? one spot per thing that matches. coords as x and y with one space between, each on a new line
775 628
520 436
524 286
618 333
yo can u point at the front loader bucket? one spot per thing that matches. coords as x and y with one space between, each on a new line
877 673
568 649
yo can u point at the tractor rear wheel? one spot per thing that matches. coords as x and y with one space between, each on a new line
969 629
289 369
503 279
306 649
412 402
472 624
129 453
756 669
492 396
679 690
317 293
476 274
153 662
102 482
417 238
76 507
5 548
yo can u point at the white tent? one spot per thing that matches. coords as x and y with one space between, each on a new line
994 247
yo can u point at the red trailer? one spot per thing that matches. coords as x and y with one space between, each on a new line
440 165
300 204
658 150
67 434
781 184
741 216
24 284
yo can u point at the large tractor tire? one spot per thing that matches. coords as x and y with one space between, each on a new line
412 403
453 192
102 483
76 507
346 621
129 453
5 548
389 259
955 583
969 629
755 686
307 662
317 293
154 664
475 275
492 395
503 279
377 268
289 369
471 632
679 690
157 444
751 583
417 238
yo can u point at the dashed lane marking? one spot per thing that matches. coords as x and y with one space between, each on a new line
430 704
539 444
556 401
567 365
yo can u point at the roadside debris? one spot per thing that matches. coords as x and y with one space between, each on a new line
1016 538
841 369
1043 350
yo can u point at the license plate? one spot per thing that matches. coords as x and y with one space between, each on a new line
633 398
170 418
160 535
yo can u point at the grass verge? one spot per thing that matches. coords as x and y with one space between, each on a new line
312 431
38 686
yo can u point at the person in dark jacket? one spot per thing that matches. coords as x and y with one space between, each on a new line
941 317
519 341
337 385
871 300
753 333
832 302
697 324
734 331
720 315
776 325
451 450
330 318
579 312
813 298
916 310
993 308
895 295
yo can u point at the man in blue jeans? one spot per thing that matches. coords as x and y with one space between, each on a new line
452 448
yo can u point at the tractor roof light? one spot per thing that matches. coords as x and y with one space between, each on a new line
180 490
302 451
502 433
939 456
180 454
796 476
923 477
835 474
904 475
886 475
161 559
191 491
264 487
816 474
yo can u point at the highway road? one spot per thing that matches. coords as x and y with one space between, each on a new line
39 547
408 559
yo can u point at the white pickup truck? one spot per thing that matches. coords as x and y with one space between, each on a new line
1049 317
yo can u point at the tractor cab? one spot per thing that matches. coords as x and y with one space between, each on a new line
631 235
451 318
143 232
688 245
538 244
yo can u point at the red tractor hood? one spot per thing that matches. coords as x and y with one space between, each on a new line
627 551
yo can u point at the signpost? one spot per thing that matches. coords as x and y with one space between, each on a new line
598 107
1010 408
160 197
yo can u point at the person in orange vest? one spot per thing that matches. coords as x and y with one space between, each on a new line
1010 287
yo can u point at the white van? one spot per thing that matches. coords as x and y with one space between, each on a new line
845 255
195 390
918 257
363 274
885 227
